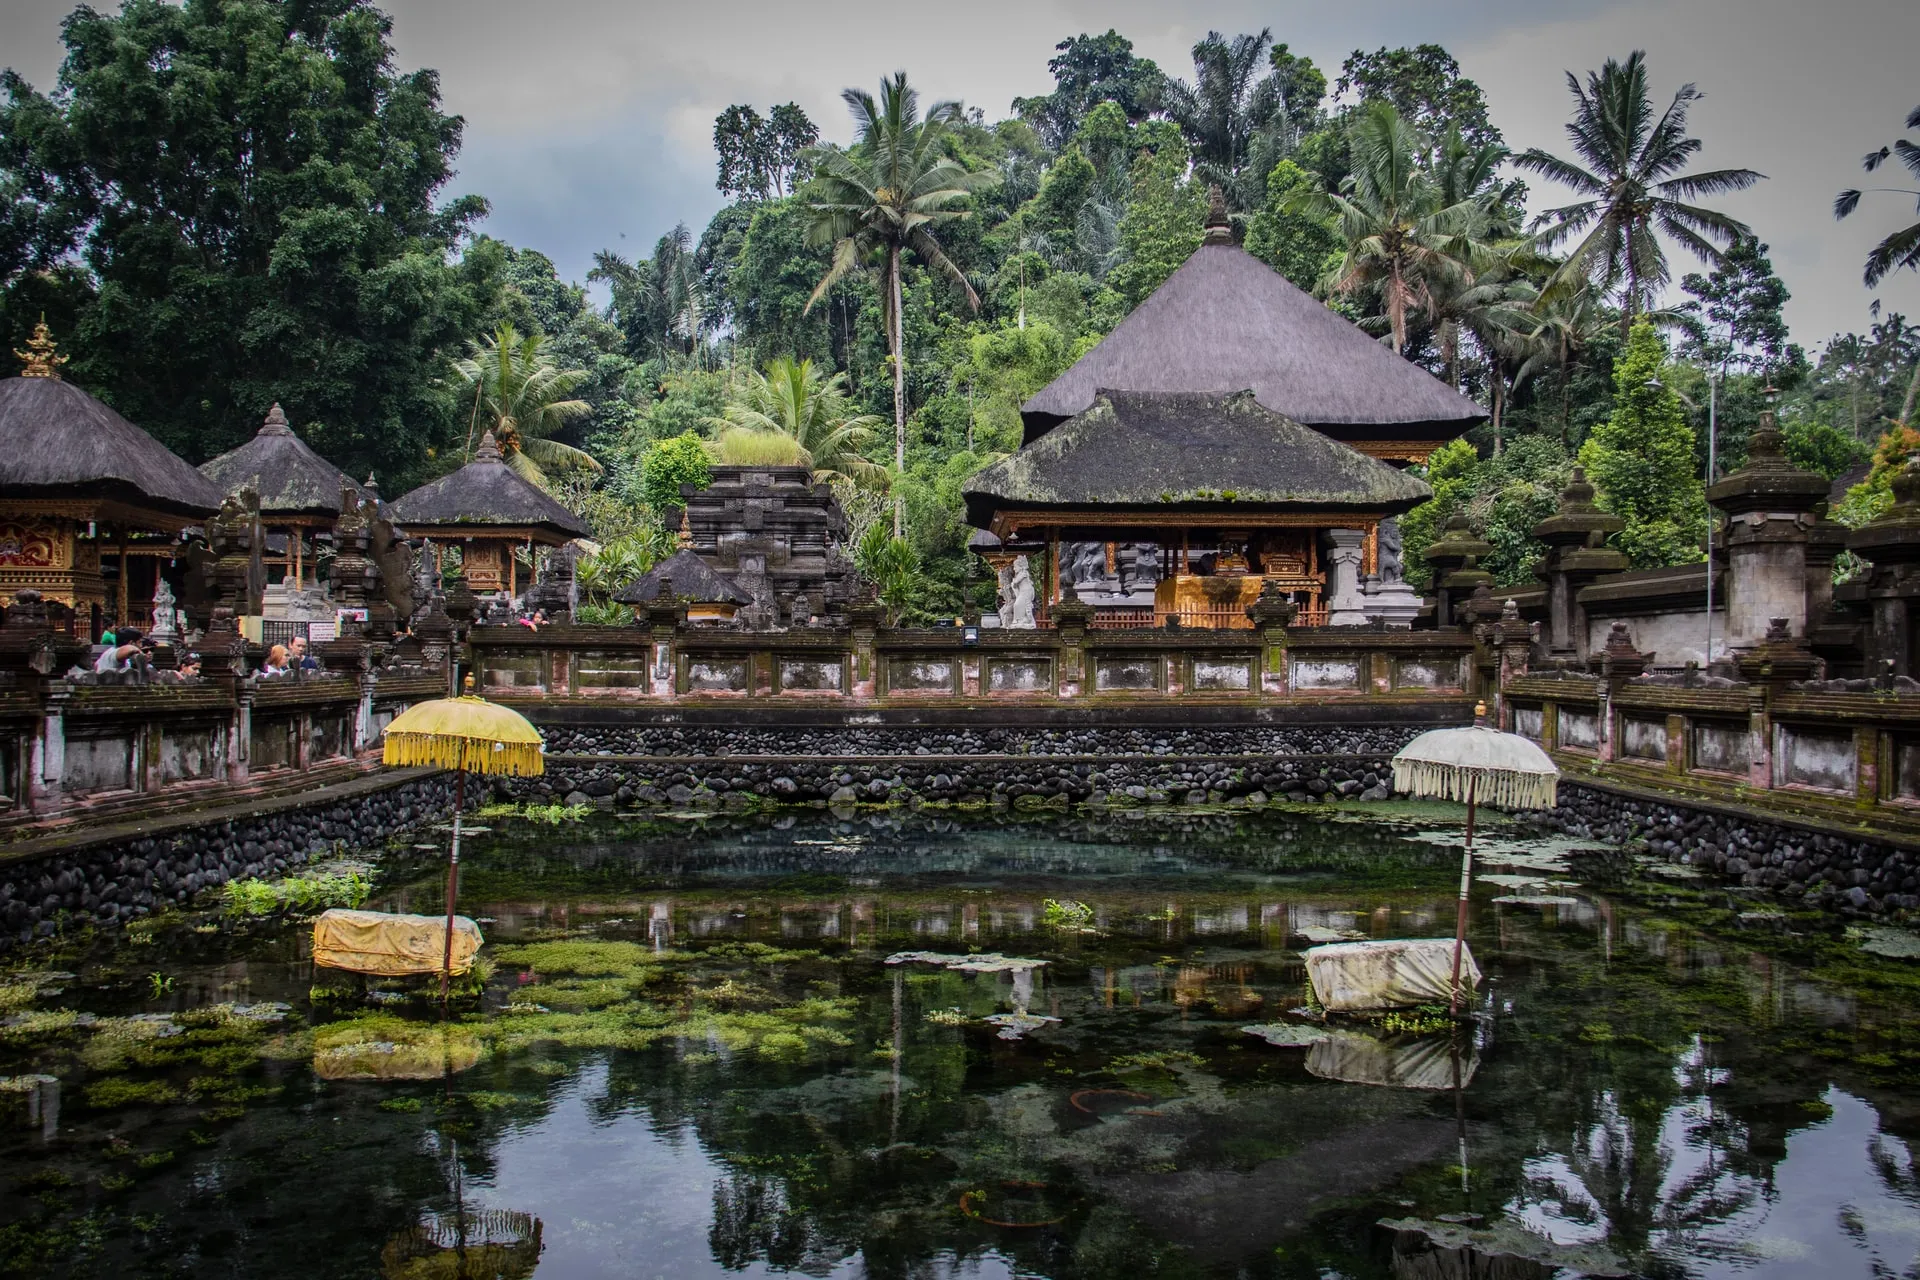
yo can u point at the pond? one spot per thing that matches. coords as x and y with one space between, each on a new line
689 1055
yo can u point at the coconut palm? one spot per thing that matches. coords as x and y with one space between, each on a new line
884 198
1402 232
1902 248
518 393
792 413
1632 186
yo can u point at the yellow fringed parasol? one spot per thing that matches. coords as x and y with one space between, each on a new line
467 735
1475 764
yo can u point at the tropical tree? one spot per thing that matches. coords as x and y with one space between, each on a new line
884 198
519 393
1633 188
1400 232
1642 460
792 402
659 302
1902 248
1227 103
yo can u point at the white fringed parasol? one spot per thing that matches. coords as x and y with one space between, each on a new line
1476 765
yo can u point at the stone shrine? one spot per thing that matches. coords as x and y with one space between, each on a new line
776 535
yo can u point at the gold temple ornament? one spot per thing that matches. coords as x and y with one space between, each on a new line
41 359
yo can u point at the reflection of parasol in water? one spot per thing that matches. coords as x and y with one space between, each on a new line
466 734
1477 765
484 1244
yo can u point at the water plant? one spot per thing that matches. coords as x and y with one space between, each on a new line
1056 914
252 896
1416 1022
160 983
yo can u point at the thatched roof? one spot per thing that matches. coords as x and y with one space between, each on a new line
682 576
1225 321
56 441
291 479
485 492
1184 452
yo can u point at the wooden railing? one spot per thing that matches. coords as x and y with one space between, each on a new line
1222 619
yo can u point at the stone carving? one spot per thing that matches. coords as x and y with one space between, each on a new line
1016 605
1391 567
1126 580
1345 604
166 614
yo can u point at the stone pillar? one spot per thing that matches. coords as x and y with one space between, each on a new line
363 712
51 750
1576 537
1345 550
1455 559
1769 504
663 622
1070 675
865 614
1271 615
240 732
1892 543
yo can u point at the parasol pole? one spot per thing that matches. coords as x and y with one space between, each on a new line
1460 916
453 883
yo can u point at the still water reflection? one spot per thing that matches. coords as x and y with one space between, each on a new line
692 1058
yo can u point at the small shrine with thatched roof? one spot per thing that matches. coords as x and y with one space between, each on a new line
1230 434
488 509
78 482
685 577
299 491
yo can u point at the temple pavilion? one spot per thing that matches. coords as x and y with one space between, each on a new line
299 492
84 491
488 510
1231 431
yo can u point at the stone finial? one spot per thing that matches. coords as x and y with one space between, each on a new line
1620 640
276 423
1778 632
1579 493
686 529
489 450
1219 228
40 359
1510 611
372 489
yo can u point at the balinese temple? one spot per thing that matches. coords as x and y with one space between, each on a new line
91 506
299 493
1232 430
487 509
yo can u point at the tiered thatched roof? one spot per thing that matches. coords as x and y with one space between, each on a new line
56 441
682 576
1182 453
291 479
486 496
1226 321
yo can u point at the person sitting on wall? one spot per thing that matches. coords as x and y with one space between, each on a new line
276 663
125 652
300 658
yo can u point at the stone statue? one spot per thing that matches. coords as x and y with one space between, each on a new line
1391 566
1139 567
1017 611
166 614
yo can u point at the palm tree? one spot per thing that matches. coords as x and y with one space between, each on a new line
657 301
1632 187
1902 248
792 403
519 394
1227 103
1401 232
884 197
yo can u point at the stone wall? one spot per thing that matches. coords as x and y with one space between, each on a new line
118 880
975 779
1104 740
1853 876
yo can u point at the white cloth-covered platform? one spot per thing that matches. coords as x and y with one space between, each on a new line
1349 976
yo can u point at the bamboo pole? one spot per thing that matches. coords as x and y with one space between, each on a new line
453 884
1466 883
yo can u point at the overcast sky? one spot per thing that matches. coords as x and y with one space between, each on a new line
589 122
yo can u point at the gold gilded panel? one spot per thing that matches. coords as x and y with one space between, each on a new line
36 544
